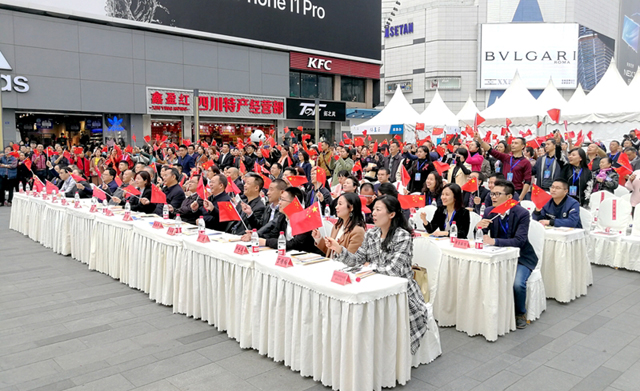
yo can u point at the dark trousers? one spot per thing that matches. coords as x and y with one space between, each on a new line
6 184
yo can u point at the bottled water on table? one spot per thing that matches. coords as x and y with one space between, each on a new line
282 244
479 239
165 212
453 232
201 226
179 224
255 241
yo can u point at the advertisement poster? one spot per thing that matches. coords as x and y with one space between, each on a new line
628 55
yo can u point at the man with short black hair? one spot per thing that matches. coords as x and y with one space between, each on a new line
383 177
185 160
634 160
173 191
251 204
548 167
210 211
561 210
276 171
109 184
515 167
226 158
68 183
393 161
614 155
511 230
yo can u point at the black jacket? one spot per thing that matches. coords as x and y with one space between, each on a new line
583 181
175 196
212 219
484 192
136 205
423 168
87 192
225 162
258 209
461 218
311 196
517 225
303 242
393 164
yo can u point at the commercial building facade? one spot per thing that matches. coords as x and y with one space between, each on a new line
70 75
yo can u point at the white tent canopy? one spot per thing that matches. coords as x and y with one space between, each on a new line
438 114
468 111
577 103
395 118
550 99
516 102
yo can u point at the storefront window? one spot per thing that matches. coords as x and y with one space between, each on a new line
310 85
352 89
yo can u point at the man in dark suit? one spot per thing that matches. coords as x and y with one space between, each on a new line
185 160
209 210
270 213
393 161
512 230
473 201
83 187
172 189
226 158
251 204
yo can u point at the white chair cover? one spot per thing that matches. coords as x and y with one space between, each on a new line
528 205
636 223
621 191
536 296
427 254
586 219
597 197
626 197
474 219
617 218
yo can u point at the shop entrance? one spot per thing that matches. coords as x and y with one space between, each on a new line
57 128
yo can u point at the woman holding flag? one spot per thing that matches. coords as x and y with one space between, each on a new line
419 170
349 229
452 211
389 249
143 183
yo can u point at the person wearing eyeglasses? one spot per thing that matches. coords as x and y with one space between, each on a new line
561 210
511 230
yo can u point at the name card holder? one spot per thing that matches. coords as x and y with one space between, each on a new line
94 209
157 225
461 243
64 202
284 261
614 210
240 249
77 205
203 238
127 216
171 231
108 212
341 278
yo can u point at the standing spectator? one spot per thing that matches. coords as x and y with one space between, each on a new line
39 160
579 177
344 163
24 174
515 167
303 162
8 175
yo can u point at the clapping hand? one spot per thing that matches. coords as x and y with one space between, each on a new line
333 244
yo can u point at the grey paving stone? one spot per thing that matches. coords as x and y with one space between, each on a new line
629 380
112 383
445 369
247 364
280 378
547 379
607 340
565 341
579 360
598 380
199 336
493 367
73 335
624 359
529 346
57 386
498 382
592 324
161 385
461 384
165 368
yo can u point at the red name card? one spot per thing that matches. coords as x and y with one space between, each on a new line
108 212
171 231
127 217
284 261
240 249
77 205
94 208
341 278
203 238
157 225
461 243
614 210
64 202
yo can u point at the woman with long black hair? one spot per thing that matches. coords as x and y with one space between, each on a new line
452 211
419 170
349 229
389 249
143 183
432 189
579 177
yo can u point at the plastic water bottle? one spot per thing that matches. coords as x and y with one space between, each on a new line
27 188
282 244
20 188
479 239
127 207
434 203
453 232
94 201
482 208
76 197
165 212
255 242
327 211
179 224
201 226
105 206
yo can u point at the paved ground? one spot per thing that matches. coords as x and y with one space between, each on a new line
65 327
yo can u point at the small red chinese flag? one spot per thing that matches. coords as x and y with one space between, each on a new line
505 206
411 201
363 202
118 180
539 196
208 164
77 178
300 128
267 181
186 142
359 142
580 139
358 166
441 167
201 190
306 220
441 150
509 122
419 126
321 175
404 176
471 186
297 180
66 155
37 184
623 160
157 195
227 212
231 187
50 187
78 151
375 146
478 120
243 169
27 164
99 193
133 137
539 124
622 171
554 114
131 190
16 147
437 131
147 139
294 207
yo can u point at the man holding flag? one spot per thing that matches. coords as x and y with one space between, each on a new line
557 209
210 211
507 225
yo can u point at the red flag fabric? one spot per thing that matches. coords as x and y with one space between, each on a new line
266 180
554 114
539 124
306 220
533 143
411 201
118 180
363 204
201 190
419 126
14 154
358 142
404 176
347 141
441 150
243 169
487 138
99 193
297 180
186 142
227 212
50 187
300 128
471 186
131 190
78 151
286 129
37 184
590 135
147 139
206 165
294 207
157 195
441 167
16 147
164 138
358 166
66 155
128 149
590 165
375 146
509 122
77 178
580 139
479 120
321 175
182 180
27 164
622 171
231 187
539 196
437 131
623 160
133 137
505 206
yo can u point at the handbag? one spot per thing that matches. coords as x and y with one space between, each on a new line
421 277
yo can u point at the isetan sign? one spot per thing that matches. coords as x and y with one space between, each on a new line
336 66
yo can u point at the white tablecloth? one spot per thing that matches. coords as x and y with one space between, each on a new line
565 268
615 250
353 337
55 229
19 220
35 214
475 290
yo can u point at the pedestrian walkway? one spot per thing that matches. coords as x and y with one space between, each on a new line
65 327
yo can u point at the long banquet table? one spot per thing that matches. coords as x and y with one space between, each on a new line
352 337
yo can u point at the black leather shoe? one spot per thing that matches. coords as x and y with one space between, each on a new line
521 321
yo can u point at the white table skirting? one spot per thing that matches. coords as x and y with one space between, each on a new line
475 291
615 251
353 337
19 210
566 270
55 229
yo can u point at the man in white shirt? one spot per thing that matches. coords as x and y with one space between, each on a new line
68 182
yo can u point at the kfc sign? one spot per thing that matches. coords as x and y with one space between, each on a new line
319 63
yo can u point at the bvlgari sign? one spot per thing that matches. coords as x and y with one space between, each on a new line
12 83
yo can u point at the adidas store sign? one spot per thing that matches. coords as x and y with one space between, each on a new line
11 83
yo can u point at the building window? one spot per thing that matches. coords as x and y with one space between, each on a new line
310 85
352 89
